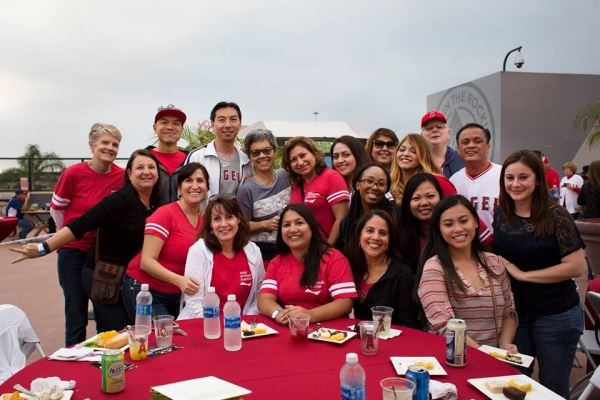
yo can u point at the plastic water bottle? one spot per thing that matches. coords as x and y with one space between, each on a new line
232 324
212 324
352 379
143 307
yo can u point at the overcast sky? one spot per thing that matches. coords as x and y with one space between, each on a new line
67 64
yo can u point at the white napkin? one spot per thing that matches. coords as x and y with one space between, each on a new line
46 384
441 390
70 354
393 333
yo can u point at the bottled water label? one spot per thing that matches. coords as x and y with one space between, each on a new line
232 322
143 309
353 393
211 312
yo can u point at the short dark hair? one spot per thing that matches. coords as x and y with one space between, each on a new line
155 195
231 207
316 249
486 131
189 169
224 104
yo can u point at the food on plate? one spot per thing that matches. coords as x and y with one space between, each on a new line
330 334
116 342
520 384
495 386
515 358
12 396
513 394
425 364
247 330
101 338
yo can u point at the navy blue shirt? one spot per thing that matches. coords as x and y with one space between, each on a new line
452 163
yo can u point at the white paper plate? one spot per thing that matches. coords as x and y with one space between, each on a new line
67 394
401 364
246 326
527 360
93 338
207 388
538 391
314 336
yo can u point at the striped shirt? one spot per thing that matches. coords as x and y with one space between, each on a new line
475 307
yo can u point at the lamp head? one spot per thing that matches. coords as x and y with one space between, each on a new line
519 61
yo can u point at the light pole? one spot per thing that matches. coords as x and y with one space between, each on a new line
315 114
519 60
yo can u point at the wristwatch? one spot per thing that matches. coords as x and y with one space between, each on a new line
276 312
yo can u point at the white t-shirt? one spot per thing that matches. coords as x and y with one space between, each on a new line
568 197
482 190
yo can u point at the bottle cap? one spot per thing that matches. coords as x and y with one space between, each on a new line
210 289
145 286
352 358
231 297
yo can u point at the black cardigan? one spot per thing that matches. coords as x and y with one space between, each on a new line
120 219
394 289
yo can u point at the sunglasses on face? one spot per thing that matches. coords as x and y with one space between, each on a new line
380 144
257 152
166 107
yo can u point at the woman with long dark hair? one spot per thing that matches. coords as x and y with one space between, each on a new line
370 183
460 280
379 275
545 251
347 155
224 258
589 197
168 234
421 194
308 276
119 219
319 188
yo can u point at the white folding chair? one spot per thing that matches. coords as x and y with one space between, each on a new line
18 340
592 390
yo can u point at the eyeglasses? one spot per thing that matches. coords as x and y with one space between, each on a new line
166 107
257 152
432 127
380 144
372 182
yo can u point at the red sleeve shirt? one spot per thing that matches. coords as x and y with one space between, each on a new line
231 276
552 178
334 281
448 188
320 194
78 189
170 224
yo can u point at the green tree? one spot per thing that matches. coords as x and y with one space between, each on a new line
41 168
589 118
202 135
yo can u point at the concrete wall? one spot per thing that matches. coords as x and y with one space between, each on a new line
523 110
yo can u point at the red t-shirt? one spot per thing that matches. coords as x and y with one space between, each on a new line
320 194
170 224
448 188
552 178
78 189
335 281
231 276
171 161
363 290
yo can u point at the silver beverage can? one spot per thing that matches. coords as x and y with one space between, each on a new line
456 343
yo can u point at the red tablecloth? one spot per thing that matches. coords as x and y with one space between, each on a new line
272 366
7 225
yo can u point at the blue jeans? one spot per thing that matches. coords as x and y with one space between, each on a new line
552 339
70 265
26 227
162 303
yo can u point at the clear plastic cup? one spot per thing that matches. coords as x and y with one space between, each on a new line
163 329
138 342
397 388
382 318
369 340
299 327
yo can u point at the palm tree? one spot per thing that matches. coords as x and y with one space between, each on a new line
589 118
42 169
199 137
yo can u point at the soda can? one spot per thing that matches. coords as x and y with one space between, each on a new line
420 376
113 371
456 343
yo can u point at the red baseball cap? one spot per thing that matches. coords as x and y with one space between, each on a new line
171 111
431 115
